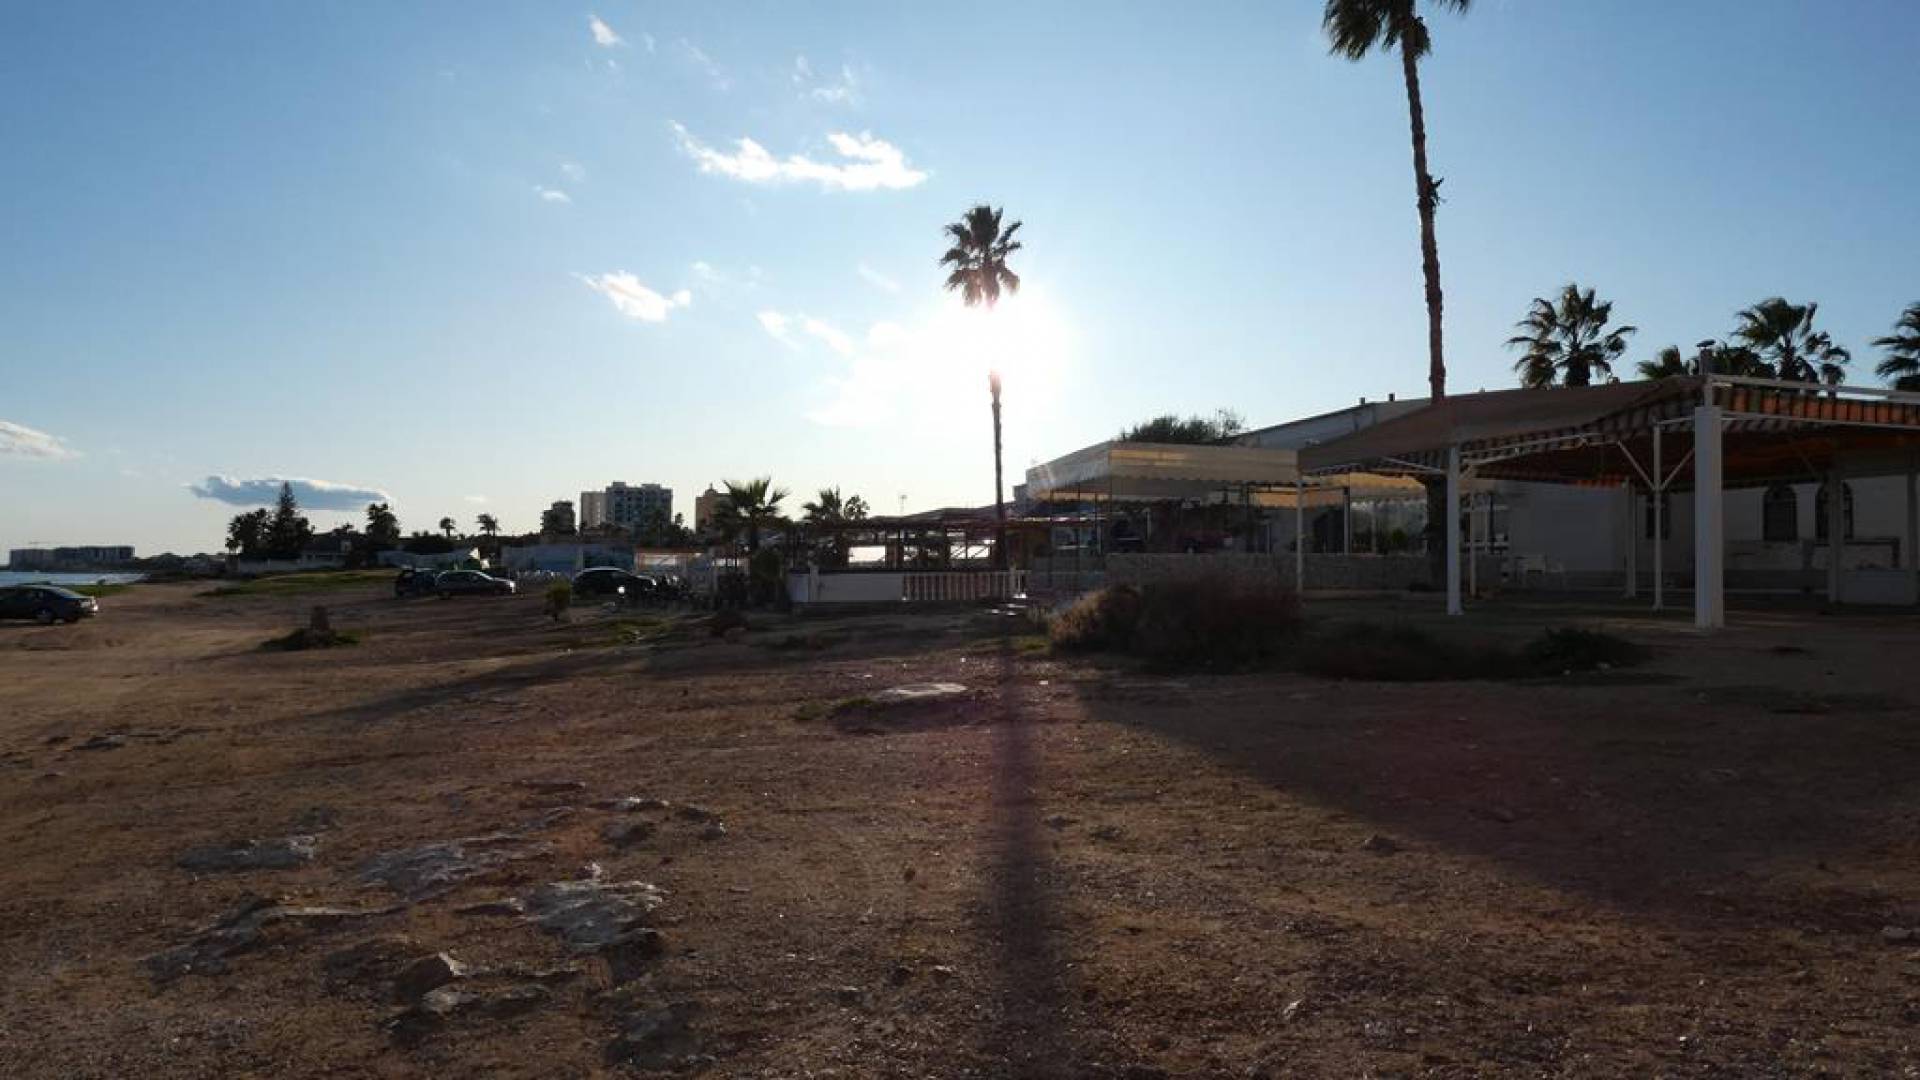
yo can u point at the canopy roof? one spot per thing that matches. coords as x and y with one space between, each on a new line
1602 435
1146 472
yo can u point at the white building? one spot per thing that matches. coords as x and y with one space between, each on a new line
626 506
1555 487
566 558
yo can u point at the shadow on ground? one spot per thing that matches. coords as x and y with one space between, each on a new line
1666 800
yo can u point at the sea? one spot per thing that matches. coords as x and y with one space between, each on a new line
43 577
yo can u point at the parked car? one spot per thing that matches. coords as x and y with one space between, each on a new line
414 582
471 583
45 604
609 581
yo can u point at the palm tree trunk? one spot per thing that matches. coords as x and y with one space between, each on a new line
1429 198
1438 512
999 503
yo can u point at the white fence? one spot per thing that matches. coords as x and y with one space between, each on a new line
949 586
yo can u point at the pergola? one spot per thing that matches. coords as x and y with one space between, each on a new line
1120 472
1728 432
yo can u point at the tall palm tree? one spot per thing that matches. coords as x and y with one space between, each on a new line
1782 337
1725 359
1568 340
1667 364
489 526
1355 28
978 259
750 506
830 510
446 526
1902 365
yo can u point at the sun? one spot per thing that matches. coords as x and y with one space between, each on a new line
1026 337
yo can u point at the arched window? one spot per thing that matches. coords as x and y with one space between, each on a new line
1846 512
1780 514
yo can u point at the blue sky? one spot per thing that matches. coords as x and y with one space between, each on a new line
457 253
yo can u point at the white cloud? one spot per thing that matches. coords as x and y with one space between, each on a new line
603 34
707 66
475 499
836 339
779 326
877 279
705 272
633 299
548 194
21 441
573 171
312 494
843 91
871 164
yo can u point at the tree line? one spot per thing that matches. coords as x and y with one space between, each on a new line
1571 340
284 531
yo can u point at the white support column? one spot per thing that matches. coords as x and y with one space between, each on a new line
1659 526
1709 521
1473 545
1346 520
1913 524
1299 536
1836 529
1451 525
1633 543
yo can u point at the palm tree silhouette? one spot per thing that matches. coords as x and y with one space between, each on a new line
1782 337
1356 28
979 260
1725 359
1567 340
1666 364
446 526
750 506
1902 365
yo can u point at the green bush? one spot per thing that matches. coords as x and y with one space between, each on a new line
559 599
1206 622
1394 653
1572 648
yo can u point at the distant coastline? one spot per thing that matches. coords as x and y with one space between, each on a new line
66 577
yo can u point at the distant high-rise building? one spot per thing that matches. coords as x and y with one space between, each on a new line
625 506
558 518
707 506
593 509
73 558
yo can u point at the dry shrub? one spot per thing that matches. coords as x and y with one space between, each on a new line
1397 653
1100 621
1202 622
1393 653
308 638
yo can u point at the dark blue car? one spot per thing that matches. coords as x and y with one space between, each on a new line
45 604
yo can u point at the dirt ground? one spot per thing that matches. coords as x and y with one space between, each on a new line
1709 866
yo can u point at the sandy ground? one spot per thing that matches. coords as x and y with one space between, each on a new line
1706 867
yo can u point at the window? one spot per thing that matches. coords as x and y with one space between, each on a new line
1846 512
1666 516
1780 514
